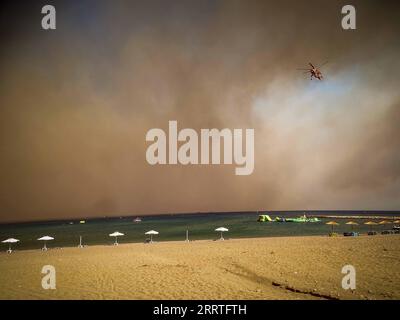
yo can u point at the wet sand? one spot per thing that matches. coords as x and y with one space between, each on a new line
261 268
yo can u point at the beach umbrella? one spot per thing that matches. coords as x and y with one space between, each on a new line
352 223
151 232
45 239
116 234
222 229
10 241
370 224
332 224
383 222
396 221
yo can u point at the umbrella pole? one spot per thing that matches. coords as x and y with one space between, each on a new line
9 248
116 241
151 238
44 247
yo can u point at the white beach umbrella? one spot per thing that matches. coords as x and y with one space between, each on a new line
45 239
222 229
10 241
116 234
151 232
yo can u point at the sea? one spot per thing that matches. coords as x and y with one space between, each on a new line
175 227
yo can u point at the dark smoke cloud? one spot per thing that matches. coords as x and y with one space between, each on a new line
76 104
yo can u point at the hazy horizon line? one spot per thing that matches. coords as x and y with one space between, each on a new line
192 213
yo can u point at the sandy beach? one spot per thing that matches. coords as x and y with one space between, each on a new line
261 268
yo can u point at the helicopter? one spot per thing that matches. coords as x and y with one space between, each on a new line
314 71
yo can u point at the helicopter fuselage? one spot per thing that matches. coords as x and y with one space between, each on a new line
316 73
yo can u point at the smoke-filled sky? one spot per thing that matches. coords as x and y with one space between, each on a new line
76 104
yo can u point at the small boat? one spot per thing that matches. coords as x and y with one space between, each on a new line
137 220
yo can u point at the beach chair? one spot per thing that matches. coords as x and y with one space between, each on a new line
351 234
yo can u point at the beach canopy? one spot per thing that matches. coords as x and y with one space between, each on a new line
371 223
116 234
384 222
332 223
9 241
45 239
221 229
352 223
151 232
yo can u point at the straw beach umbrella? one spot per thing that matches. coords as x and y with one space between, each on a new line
116 234
352 224
45 239
151 232
221 229
332 224
370 224
10 241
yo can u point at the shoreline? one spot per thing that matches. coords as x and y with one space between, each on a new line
124 244
304 267
189 214
121 243
357 217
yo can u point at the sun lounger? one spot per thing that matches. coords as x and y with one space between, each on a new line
350 234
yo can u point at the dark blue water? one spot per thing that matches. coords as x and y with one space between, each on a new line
173 227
